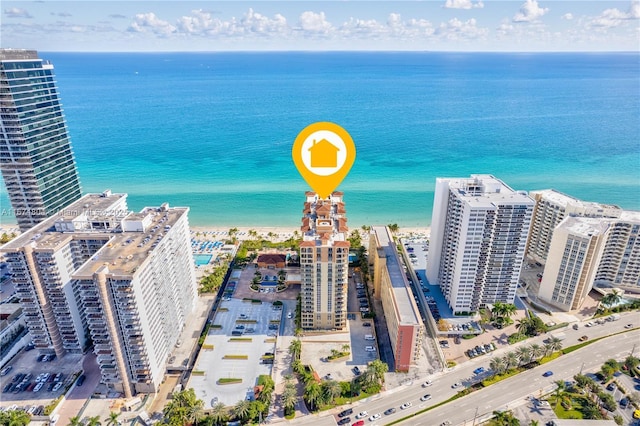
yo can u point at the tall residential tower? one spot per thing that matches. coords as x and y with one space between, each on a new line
478 236
125 279
324 263
37 163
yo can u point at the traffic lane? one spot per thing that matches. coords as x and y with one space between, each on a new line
501 394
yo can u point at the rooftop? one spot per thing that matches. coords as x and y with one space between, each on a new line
486 191
403 298
324 221
17 54
584 226
565 200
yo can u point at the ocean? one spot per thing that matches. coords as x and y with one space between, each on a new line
214 131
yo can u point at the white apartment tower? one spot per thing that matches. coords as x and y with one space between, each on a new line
324 263
552 207
478 237
125 279
573 259
620 263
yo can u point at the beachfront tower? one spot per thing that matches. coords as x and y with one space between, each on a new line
324 263
37 163
478 236
96 272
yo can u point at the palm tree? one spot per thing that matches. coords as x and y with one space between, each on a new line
112 420
219 414
241 410
194 411
555 344
547 349
346 347
74 421
331 390
560 390
631 362
14 418
497 365
612 298
295 348
379 368
536 351
289 397
511 359
313 394
524 354
94 421
534 423
523 325
509 309
184 407
368 378
505 418
591 411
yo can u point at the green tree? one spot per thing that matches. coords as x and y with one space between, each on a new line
504 418
183 408
112 420
219 414
313 394
555 344
242 410
497 365
331 390
631 362
512 359
561 395
289 397
74 421
393 227
524 354
93 421
611 299
591 411
379 368
295 348
536 351
14 418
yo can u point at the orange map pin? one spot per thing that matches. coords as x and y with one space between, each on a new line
323 153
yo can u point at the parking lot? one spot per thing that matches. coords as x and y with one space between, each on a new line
32 383
235 351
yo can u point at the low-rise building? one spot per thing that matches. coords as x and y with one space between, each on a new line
391 286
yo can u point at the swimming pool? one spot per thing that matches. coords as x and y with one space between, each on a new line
202 259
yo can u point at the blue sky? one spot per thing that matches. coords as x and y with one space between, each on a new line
444 25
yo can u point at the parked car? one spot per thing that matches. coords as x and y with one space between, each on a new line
583 338
6 370
356 371
344 421
345 413
358 423
478 370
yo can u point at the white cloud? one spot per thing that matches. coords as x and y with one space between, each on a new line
614 17
463 4
16 12
567 16
456 29
144 22
312 22
530 11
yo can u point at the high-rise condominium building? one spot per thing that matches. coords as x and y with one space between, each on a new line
391 286
125 279
38 166
324 263
478 237
572 262
552 207
620 263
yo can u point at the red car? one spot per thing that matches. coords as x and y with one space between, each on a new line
358 423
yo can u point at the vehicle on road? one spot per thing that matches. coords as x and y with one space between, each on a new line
478 370
389 411
344 421
636 414
427 384
445 423
589 324
583 338
375 417
405 405
81 380
425 397
6 370
628 326
289 315
356 370
547 373
456 385
370 349
345 412
362 415
358 423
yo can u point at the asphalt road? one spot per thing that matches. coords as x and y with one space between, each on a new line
500 395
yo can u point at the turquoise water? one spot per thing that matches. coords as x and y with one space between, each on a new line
214 131
202 259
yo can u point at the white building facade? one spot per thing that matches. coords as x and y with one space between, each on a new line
478 237
126 280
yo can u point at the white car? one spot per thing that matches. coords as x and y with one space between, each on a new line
370 349
456 385
362 415
289 315
57 386
38 387
589 324
405 405
427 383
425 397
375 417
